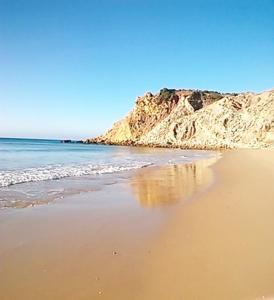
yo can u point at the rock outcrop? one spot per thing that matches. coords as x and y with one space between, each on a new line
196 119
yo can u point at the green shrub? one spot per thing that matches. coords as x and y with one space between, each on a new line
165 95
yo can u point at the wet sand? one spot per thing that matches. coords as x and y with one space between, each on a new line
221 246
174 232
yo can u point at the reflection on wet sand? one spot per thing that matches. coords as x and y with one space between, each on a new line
222 245
169 184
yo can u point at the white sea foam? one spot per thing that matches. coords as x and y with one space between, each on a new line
57 172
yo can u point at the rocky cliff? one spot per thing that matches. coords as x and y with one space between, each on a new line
196 119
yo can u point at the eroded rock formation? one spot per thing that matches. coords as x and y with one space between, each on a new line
196 119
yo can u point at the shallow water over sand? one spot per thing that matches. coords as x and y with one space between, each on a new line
35 172
32 160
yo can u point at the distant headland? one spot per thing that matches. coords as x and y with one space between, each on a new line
195 119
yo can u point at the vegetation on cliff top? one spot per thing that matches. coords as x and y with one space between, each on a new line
165 94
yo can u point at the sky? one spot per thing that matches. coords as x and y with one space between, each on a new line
69 69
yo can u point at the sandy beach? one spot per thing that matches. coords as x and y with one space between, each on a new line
137 150
196 231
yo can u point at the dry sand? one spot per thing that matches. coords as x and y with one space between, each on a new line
182 239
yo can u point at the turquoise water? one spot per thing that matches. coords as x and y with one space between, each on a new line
33 153
32 160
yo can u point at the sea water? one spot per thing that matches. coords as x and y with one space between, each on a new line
24 163
27 160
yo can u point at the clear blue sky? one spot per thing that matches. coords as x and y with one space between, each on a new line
69 69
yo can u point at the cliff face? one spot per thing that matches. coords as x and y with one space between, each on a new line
196 119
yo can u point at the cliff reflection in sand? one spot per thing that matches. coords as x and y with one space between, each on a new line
170 184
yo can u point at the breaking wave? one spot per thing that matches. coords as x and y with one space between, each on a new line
57 172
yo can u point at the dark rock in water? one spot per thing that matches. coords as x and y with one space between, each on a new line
66 141
71 142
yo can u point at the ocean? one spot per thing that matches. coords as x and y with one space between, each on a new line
24 163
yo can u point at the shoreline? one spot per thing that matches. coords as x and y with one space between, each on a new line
160 146
45 191
85 246
189 231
